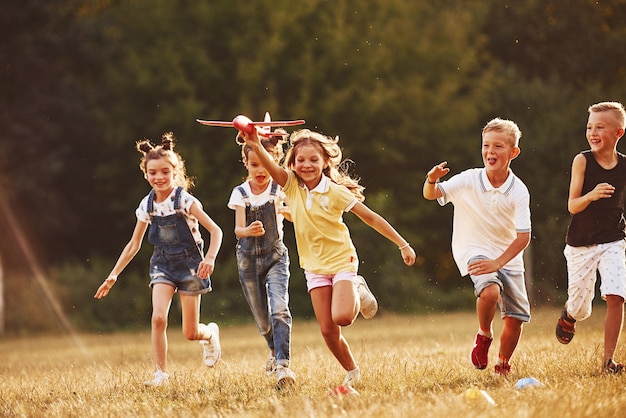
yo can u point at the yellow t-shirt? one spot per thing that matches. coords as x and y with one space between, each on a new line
322 238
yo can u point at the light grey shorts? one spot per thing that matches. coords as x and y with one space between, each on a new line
513 299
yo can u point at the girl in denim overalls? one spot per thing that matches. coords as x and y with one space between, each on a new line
177 264
263 259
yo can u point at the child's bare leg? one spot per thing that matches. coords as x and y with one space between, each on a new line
486 305
321 298
612 325
510 336
161 301
190 309
345 303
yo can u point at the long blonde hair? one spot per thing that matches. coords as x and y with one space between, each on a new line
336 170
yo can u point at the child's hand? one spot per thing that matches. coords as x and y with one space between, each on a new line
479 267
256 229
104 288
601 191
437 172
251 138
408 255
205 269
286 212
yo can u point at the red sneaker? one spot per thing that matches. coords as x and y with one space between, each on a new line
480 352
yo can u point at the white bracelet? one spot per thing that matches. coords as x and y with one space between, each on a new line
112 276
404 246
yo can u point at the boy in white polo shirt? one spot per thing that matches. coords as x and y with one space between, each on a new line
491 229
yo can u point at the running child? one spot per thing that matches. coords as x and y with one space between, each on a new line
595 236
177 263
319 193
262 257
491 229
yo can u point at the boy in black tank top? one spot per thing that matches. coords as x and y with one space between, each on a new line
595 236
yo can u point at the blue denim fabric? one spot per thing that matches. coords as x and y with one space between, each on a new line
176 254
513 299
263 264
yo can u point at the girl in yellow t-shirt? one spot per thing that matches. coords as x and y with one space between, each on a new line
319 192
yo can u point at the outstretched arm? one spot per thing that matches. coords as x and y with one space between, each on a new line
430 190
128 253
279 174
385 229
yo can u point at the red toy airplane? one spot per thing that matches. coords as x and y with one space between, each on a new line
244 124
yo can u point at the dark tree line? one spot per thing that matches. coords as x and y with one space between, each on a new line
404 84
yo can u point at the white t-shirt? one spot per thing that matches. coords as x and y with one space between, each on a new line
236 199
486 219
166 208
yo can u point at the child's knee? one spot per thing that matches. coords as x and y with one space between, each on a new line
490 294
344 319
614 300
513 323
159 321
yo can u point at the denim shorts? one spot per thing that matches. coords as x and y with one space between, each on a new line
513 299
179 270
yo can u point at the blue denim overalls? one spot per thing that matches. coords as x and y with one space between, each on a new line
176 254
263 264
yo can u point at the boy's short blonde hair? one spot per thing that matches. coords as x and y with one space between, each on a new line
507 127
615 107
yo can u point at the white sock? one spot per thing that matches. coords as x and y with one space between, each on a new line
484 333
204 331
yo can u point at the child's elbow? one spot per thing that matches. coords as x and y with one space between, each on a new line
430 196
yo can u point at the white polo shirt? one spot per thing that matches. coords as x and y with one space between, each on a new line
486 220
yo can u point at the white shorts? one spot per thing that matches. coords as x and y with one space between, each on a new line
583 264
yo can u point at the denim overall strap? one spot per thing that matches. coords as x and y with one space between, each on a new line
171 234
150 204
244 195
179 191
273 190
265 213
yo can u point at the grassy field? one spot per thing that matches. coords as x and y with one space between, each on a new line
411 366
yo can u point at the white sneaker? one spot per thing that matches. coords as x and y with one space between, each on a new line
270 365
369 305
284 376
352 377
159 379
212 348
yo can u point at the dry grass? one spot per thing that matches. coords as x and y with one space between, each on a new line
412 366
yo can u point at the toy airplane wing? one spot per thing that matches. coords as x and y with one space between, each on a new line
244 124
271 124
278 123
215 123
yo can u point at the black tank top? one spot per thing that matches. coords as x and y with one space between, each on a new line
603 220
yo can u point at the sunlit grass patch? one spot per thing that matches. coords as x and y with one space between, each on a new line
411 366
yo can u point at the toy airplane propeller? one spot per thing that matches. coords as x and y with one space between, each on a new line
244 124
